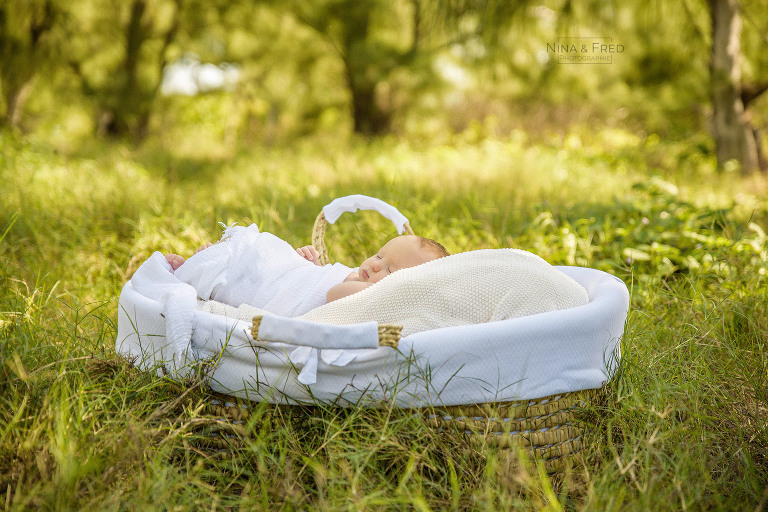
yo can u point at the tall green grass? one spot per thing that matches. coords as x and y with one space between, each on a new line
684 424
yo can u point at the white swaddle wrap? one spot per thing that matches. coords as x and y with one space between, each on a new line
260 269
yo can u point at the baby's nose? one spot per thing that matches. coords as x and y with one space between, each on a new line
375 266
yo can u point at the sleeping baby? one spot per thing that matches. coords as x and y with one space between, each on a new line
248 266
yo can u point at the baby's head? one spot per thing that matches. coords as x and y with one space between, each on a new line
399 253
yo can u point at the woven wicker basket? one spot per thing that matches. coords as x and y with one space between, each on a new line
545 427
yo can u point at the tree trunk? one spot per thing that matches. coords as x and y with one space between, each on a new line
367 115
730 127
362 75
125 108
22 59
14 100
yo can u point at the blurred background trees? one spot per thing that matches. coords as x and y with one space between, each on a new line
410 67
30 34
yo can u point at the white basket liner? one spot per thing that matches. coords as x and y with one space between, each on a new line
515 359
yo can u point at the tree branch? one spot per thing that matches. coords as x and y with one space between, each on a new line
317 28
750 92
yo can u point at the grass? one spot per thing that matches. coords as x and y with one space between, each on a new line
684 424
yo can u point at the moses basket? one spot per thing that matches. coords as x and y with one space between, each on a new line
512 382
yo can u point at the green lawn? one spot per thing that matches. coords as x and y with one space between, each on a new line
684 424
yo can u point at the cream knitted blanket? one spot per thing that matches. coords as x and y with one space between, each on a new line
467 288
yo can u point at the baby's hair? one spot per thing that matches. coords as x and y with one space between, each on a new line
435 247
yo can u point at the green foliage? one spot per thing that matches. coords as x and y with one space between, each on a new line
657 234
416 68
30 36
682 424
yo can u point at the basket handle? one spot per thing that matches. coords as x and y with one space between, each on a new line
353 203
333 210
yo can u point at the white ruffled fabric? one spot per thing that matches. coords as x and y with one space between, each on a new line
260 269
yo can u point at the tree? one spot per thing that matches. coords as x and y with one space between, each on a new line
357 33
377 40
120 57
734 137
116 49
27 47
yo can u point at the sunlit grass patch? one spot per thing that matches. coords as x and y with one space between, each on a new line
683 423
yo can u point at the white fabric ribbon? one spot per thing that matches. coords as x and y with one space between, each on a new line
306 358
337 357
154 280
353 203
296 331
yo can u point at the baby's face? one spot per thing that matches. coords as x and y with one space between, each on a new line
397 254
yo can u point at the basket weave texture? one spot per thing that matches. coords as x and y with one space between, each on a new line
543 427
